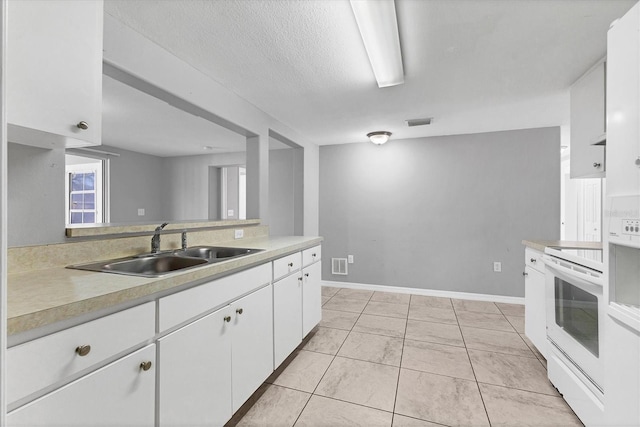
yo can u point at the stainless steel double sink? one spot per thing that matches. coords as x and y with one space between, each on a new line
162 263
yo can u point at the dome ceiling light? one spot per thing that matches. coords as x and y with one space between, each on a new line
379 137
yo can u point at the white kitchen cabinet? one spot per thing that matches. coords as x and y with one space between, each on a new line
194 380
210 367
623 105
311 297
535 320
622 374
588 124
287 316
121 393
252 343
54 72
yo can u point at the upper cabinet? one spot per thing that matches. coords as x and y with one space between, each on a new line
623 105
588 124
54 72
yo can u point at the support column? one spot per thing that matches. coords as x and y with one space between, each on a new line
258 177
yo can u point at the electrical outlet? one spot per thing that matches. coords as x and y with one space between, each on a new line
141 212
497 266
350 259
239 234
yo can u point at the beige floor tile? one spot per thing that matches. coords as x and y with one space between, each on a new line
434 332
355 294
484 320
478 306
437 359
326 340
391 297
511 309
388 309
534 350
328 291
517 322
338 319
402 421
432 314
305 371
278 406
321 411
523 373
440 399
344 304
498 341
372 348
379 325
363 383
430 301
509 407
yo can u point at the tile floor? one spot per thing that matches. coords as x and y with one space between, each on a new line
387 359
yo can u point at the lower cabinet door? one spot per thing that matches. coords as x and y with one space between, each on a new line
535 313
287 316
311 297
119 394
195 373
252 347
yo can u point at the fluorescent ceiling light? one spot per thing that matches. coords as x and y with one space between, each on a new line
379 30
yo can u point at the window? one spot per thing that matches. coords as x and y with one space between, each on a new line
84 190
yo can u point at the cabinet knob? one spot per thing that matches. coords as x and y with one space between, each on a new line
533 260
306 274
290 264
239 311
83 350
524 273
145 366
637 162
83 125
227 319
314 255
596 165
299 279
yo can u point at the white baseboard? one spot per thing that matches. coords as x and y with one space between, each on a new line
425 292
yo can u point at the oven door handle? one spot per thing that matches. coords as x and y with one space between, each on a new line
587 281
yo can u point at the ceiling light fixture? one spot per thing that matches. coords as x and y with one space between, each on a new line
379 137
378 27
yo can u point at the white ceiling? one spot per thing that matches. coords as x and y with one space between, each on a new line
473 65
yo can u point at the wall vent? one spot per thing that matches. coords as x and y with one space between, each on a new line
419 122
339 266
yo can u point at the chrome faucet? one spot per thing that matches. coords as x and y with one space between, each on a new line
155 240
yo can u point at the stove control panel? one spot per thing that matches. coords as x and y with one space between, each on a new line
631 226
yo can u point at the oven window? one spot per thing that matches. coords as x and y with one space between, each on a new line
577 314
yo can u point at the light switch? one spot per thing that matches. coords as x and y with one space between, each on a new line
141 212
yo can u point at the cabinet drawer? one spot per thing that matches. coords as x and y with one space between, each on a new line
37 364
182 306
311 255
533 259
286 265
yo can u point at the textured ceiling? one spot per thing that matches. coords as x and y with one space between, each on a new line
473 65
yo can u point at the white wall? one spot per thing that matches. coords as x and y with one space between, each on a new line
435 213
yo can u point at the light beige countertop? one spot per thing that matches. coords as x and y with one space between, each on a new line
540 245
42 297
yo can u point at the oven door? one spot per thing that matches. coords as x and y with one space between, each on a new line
575 316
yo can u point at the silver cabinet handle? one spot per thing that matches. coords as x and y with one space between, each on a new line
533 260
145 366
524 273
83 125
290 264
306 274
239 311
83 350
227 319
596 165
637 162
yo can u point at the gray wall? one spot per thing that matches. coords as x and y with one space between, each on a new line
435 213
136 182
35 195
187 183
285 192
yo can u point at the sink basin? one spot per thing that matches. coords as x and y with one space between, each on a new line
215 253
149 266
160 264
